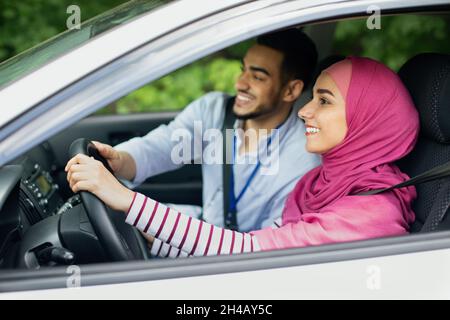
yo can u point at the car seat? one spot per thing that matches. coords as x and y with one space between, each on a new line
427 77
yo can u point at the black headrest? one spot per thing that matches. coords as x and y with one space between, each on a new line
325 63
427 77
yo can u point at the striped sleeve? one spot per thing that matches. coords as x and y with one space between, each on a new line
164 250
190 235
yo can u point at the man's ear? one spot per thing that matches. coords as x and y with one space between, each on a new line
293 90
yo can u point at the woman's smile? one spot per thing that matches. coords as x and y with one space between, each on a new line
310 130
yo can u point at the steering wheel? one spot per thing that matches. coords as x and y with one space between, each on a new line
120 241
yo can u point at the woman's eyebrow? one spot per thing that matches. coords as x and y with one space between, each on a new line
321 91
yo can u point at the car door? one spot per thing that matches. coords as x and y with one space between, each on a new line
295 273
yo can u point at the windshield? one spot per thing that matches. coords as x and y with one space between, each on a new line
43 53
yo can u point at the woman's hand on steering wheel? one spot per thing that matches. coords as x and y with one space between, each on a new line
87 174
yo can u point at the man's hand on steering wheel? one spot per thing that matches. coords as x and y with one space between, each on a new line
111 155
87 174
121 163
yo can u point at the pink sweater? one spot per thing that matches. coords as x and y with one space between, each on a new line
350 218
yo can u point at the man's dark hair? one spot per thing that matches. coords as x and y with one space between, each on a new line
299 53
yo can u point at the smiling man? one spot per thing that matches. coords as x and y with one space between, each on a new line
274 73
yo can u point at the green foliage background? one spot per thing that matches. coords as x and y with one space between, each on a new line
399 38
26 23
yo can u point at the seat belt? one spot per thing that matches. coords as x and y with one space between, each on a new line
439 208
442 202
230 220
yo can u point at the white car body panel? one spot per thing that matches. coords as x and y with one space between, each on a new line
422 275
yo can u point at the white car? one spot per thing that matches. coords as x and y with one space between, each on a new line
47 93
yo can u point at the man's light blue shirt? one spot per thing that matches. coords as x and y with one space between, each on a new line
263 202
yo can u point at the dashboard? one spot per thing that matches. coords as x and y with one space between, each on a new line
44 224
39 196
29 193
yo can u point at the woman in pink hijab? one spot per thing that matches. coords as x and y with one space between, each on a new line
361 120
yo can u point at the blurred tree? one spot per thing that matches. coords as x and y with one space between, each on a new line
399 38
217 72
26 23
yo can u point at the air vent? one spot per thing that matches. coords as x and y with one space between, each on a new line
28 208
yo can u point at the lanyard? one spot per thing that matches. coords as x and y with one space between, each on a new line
233 200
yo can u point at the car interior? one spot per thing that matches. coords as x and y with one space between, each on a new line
43 224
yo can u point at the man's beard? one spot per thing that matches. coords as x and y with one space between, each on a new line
262 111
248 116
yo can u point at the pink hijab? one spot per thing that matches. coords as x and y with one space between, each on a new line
383 125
